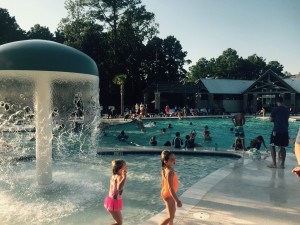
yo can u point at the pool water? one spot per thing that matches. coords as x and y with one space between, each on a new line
219 131
82 182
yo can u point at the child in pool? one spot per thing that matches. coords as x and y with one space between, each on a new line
169 186
153 141
113 202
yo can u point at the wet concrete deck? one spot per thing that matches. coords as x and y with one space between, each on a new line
245 192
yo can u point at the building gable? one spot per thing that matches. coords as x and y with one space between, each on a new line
226 86
270 82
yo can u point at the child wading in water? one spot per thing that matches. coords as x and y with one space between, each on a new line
169 186
113 202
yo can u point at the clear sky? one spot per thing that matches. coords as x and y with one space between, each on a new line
205 28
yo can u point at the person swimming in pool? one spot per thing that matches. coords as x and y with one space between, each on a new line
257 142
206 134
237 145
153 141
238 121
151 124
177 141
170 125
122 136
188 142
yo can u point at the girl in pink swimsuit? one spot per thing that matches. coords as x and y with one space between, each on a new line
113 202
169 186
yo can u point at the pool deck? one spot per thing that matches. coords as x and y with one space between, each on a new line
244 192
116 121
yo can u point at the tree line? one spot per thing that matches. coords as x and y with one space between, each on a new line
121 36
230 65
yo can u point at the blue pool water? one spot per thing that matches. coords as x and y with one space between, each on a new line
219 129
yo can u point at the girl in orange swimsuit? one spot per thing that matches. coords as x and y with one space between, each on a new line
169 186
113 202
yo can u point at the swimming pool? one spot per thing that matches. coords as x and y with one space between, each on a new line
81 183
219 129
81 179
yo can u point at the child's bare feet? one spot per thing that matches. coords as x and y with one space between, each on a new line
272 166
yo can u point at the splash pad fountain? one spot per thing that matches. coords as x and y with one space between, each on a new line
40 80
49 103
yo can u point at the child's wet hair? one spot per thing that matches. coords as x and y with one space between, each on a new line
116 165
165 155
260 138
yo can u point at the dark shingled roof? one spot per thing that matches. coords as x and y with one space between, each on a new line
175 87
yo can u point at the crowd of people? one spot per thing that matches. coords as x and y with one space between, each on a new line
177 142
189 142
279 136
142 110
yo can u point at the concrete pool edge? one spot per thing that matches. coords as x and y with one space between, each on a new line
125 150
148 150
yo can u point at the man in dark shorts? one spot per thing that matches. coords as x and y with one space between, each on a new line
279 135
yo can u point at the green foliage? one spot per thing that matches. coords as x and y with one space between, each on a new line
59 36
276 67
231 66
253 67
120 79
115 31
164 60
202 69
40 32
9 29
227 65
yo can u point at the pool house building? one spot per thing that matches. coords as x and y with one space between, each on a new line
225 95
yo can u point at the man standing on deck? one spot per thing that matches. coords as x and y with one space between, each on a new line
279 135
238 122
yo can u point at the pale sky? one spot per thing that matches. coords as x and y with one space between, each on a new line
205 28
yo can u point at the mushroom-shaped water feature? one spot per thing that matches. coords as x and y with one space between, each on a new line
48 79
